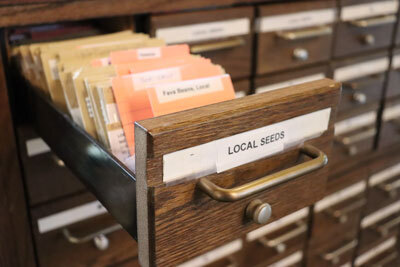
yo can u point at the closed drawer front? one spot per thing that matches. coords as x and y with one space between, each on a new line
384 183
380 224
365 26
289 78
362 79
222 35
337 252
277 240
390 127
79 232
383 254
190 200
338 213
393 89
294 34
354 136
46 176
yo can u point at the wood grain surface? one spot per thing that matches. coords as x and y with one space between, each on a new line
174 220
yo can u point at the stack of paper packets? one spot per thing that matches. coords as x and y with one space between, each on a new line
107 82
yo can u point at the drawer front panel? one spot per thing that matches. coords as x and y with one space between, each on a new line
184 206
223 35
52 230
354 136
278 240
379 225
283 44
382 253
365 26
338 252
363 80
338 213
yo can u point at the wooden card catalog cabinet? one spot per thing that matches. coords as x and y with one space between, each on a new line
207 176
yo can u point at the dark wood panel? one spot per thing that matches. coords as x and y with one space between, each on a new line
15 236
36 13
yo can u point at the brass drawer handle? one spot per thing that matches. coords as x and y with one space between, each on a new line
349 141
334 256
220 45
240 192
390 188
389 258
342 215
384 229
279 243
99 238
305 33
365 23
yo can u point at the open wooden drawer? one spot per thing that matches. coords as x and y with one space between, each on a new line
270 149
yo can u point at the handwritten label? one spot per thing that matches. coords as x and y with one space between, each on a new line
380 214
384 175
150 78
274 226
236 150
372 253
214 255
289 260
355 123
296 81
36 146
148 53
70 216
171 92
361 69
204 31
340 196
369 10
296 20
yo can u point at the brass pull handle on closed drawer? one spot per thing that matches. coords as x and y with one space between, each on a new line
334 256
390 188
99 238
349 141
279 243
365 23
305 33
342 215
240 192
218 45
384 229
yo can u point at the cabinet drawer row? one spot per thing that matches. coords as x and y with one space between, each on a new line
282 36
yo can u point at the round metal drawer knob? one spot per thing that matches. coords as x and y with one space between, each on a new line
360 98
101 242
300 54
259 211
368 39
